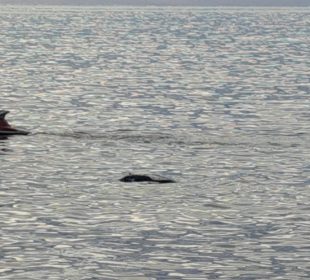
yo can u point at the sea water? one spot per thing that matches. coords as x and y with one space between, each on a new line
216 99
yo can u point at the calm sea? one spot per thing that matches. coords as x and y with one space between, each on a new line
216 99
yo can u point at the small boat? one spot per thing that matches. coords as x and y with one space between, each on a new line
6 129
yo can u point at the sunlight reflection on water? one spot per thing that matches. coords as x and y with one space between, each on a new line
216 99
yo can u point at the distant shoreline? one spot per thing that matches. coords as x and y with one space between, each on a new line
161 3
154 6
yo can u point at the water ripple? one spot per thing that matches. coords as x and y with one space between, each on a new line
216 99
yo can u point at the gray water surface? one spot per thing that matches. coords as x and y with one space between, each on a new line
216 99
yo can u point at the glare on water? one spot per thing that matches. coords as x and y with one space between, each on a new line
215 99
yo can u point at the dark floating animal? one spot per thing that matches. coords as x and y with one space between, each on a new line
6 129
145 178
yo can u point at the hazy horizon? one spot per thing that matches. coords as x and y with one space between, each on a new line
278 3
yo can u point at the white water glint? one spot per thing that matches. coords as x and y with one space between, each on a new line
215 99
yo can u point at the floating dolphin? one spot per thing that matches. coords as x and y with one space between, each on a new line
6 129
145 178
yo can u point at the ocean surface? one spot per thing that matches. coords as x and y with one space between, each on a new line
215 98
